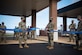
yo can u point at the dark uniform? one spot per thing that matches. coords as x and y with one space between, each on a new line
50 27
72 28
22 37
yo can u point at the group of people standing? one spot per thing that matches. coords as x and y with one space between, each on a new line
50 26
22 36
76 37
2 32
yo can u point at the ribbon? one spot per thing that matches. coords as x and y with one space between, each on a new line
19 30
33 29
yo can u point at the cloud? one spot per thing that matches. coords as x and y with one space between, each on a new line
73 1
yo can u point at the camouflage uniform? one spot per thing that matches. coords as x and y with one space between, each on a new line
50 27
3 33
79 36
16 34
22 35
0 33
72 28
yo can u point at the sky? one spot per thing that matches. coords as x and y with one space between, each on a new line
42 17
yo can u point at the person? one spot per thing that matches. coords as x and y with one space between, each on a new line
61 30
79 36
16 33
37 32
32 33
72 28
3 32
50 27
28 33
0 34
22 26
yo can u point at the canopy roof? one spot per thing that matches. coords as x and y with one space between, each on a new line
71 11
21 7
